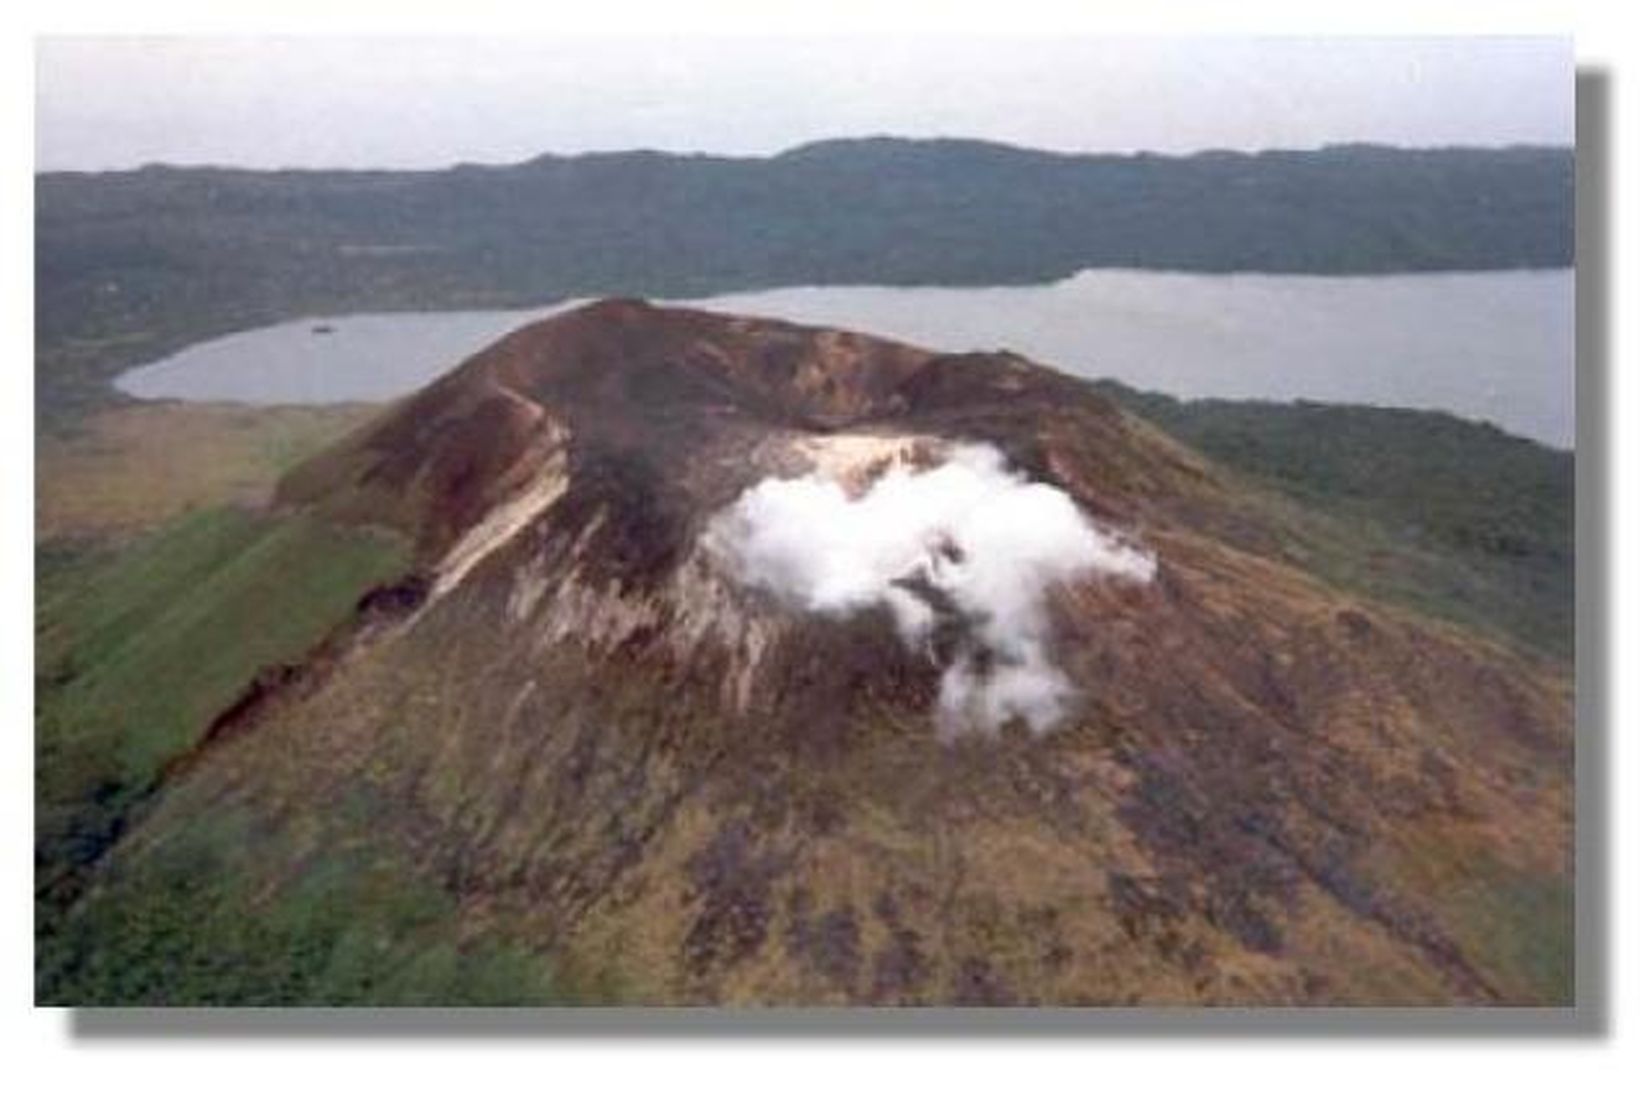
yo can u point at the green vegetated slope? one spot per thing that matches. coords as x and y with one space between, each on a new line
1457 519
196 923
137 652
162 592
131 265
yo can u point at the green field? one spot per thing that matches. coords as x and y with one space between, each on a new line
137 652
192 923
162 589
125 470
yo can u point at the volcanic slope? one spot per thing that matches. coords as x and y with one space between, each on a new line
591 739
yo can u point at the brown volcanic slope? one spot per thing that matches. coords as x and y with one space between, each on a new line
597 743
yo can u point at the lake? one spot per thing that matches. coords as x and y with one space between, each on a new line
1496 346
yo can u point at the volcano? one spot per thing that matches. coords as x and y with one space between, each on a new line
595 731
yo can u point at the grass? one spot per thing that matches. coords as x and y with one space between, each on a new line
1524 923
137 653
160 592
1518 926
152 606
125 470
189 925
138 649
1456 519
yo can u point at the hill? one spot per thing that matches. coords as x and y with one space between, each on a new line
1454 517
698 680
130 265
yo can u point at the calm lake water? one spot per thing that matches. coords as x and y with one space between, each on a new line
1491 346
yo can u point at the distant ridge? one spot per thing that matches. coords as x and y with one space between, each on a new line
831 146
141 260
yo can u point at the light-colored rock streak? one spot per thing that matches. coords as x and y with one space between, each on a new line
853 460
501 523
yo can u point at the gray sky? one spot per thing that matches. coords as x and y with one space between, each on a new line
358 102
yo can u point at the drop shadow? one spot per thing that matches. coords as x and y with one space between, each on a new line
1592 770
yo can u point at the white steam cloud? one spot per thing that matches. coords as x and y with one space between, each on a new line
963 554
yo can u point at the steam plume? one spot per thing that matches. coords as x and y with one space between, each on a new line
962 554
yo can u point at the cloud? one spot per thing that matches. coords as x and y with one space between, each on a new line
963 554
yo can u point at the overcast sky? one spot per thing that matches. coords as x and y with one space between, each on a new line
356 102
